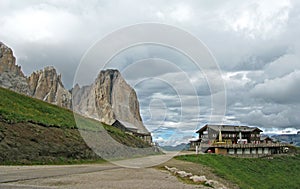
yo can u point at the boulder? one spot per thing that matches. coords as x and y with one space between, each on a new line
172 169
183 174
215 184
197 178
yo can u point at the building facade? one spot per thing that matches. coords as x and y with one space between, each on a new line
229 134
235 140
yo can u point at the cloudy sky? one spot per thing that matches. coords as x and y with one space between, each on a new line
256 45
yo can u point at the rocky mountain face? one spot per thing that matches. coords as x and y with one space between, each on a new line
11 76
47 85
109 99
8 61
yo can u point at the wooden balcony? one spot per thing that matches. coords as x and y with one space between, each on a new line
249 145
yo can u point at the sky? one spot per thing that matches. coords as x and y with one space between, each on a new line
255 44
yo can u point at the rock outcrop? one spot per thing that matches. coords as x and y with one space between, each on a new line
8 61
47 85
11 76
109 99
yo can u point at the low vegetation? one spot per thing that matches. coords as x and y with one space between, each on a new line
253 173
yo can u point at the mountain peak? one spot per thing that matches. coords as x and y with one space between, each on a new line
46 85
8 61
110 99
11 76
110 71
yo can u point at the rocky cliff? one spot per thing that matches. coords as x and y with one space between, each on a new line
11 76
8 61
109 99
47 85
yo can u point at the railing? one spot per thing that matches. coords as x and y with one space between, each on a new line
249 145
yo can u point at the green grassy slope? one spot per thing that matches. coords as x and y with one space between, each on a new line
280 172
29 126
16 108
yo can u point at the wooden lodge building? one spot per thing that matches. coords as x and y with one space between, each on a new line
131 129
235 140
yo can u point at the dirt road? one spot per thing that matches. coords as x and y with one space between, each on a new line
104 175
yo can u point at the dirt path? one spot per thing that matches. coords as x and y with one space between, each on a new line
105 175
87 176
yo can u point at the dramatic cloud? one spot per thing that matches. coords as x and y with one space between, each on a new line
255 43
280 90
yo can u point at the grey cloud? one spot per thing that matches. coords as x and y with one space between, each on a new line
148 68
282 66
279 117
281 90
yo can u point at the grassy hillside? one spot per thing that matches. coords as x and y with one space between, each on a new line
30 127
280 172
16 108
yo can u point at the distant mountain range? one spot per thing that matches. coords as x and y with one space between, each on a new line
180 147
288 138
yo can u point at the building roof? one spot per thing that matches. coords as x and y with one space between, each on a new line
232 128
128 125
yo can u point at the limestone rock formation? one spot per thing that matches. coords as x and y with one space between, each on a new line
8 61
47 85
109 99
11 76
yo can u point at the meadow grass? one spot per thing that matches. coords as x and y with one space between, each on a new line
16 108
253 173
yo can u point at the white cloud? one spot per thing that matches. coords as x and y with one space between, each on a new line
181 13
257 19
39 23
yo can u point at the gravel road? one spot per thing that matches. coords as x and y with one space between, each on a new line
105 175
